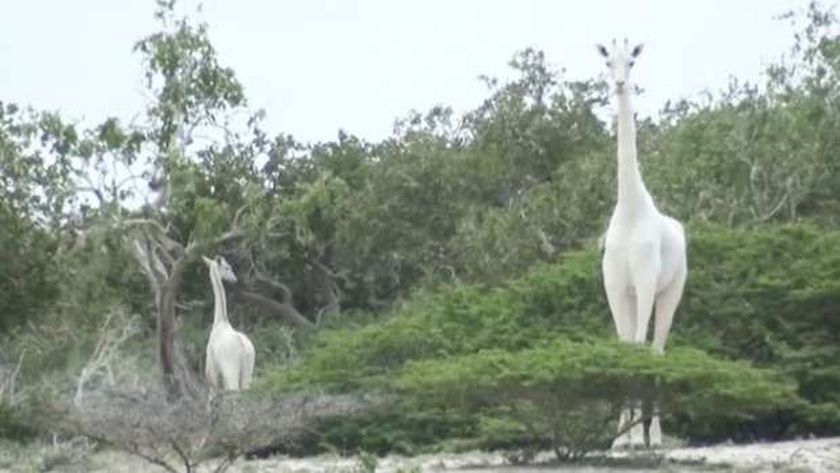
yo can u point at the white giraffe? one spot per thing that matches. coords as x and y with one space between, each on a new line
230 354
644 261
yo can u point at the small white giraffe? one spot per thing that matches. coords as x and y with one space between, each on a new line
230 354
644 261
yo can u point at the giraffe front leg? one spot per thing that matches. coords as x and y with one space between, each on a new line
645 264
211 375
666 306
655 430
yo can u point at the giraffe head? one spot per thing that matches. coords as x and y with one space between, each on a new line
222 266
620 60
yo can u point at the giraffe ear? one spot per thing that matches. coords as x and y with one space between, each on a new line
207 260
602 50
637 50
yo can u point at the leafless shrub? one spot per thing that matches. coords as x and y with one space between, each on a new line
189 433
110 404
116 330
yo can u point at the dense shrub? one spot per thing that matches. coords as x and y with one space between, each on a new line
763 295
770 294
27 274
568 394
13 422
452 320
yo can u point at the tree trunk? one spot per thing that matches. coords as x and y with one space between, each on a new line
166 342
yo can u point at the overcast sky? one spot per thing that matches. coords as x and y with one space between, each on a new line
319 65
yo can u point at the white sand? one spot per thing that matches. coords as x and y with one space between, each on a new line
799 456
821 455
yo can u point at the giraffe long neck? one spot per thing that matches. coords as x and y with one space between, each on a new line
632 193
220 303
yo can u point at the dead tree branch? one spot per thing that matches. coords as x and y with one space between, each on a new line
112 335
8 385
285 310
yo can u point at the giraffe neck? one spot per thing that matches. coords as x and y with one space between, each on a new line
220 303
632 194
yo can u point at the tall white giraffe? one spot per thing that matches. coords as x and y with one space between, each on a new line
230 354
644 261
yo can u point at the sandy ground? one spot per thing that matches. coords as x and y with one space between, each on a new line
801 456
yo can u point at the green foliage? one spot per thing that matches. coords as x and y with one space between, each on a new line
13 423
771 287
569 393
685 378
191 87
27 282
492 244
757 154
393 428
774 289
452 320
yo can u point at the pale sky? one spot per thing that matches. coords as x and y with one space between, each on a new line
317 66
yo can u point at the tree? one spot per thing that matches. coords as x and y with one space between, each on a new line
192 93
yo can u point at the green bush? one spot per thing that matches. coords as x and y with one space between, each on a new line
570 393
686 379
770 295
393 428
763 295
13 423
550 300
